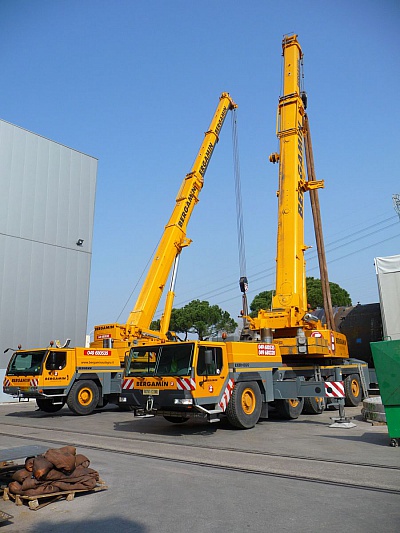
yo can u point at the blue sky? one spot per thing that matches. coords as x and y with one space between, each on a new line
135 84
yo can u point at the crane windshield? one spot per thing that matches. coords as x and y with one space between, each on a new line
164 360
26 363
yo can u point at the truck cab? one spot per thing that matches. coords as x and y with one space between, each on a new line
79 377
176 378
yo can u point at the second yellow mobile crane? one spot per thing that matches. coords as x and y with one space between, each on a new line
86 378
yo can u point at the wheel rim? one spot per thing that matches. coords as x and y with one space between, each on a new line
248 401
355 387
293 402
85 396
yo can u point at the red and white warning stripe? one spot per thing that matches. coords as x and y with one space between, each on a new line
127 384
186 384
334 389
34 382
227 395
6 382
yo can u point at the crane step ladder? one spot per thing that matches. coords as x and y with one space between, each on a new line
363 382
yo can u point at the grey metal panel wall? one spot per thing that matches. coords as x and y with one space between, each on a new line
48 195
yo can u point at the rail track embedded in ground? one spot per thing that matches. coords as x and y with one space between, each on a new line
359 475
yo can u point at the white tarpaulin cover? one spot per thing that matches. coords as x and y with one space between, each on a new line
388 273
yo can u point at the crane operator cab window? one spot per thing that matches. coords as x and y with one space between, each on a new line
142 361
209 362
165 360
175 360
28 363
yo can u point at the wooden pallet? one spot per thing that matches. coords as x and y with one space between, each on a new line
46 499
5 517
6 473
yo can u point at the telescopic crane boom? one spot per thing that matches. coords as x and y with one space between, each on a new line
289 320
171 244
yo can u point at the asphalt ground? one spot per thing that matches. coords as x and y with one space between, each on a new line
298 475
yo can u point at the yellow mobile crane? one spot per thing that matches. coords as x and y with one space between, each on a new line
289 323
121 336
86 378
286 360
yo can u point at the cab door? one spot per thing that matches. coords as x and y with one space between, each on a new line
59 368
210 373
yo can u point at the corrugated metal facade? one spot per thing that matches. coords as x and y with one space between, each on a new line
48 196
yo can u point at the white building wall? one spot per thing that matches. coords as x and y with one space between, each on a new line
48 196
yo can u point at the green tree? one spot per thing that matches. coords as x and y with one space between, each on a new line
201 318
180 321
262 300
340 297
155 325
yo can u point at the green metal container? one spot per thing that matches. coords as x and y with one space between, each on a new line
386 355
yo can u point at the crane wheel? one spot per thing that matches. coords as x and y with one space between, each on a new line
244 407
289 409
353 390
83 397
48 406
314 405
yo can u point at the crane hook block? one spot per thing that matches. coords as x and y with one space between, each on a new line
274 158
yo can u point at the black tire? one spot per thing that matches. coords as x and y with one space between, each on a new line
353 390
176 419
244 407
314 406
47 406
83 397
289 409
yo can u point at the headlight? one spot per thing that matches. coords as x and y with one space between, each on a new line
183 401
